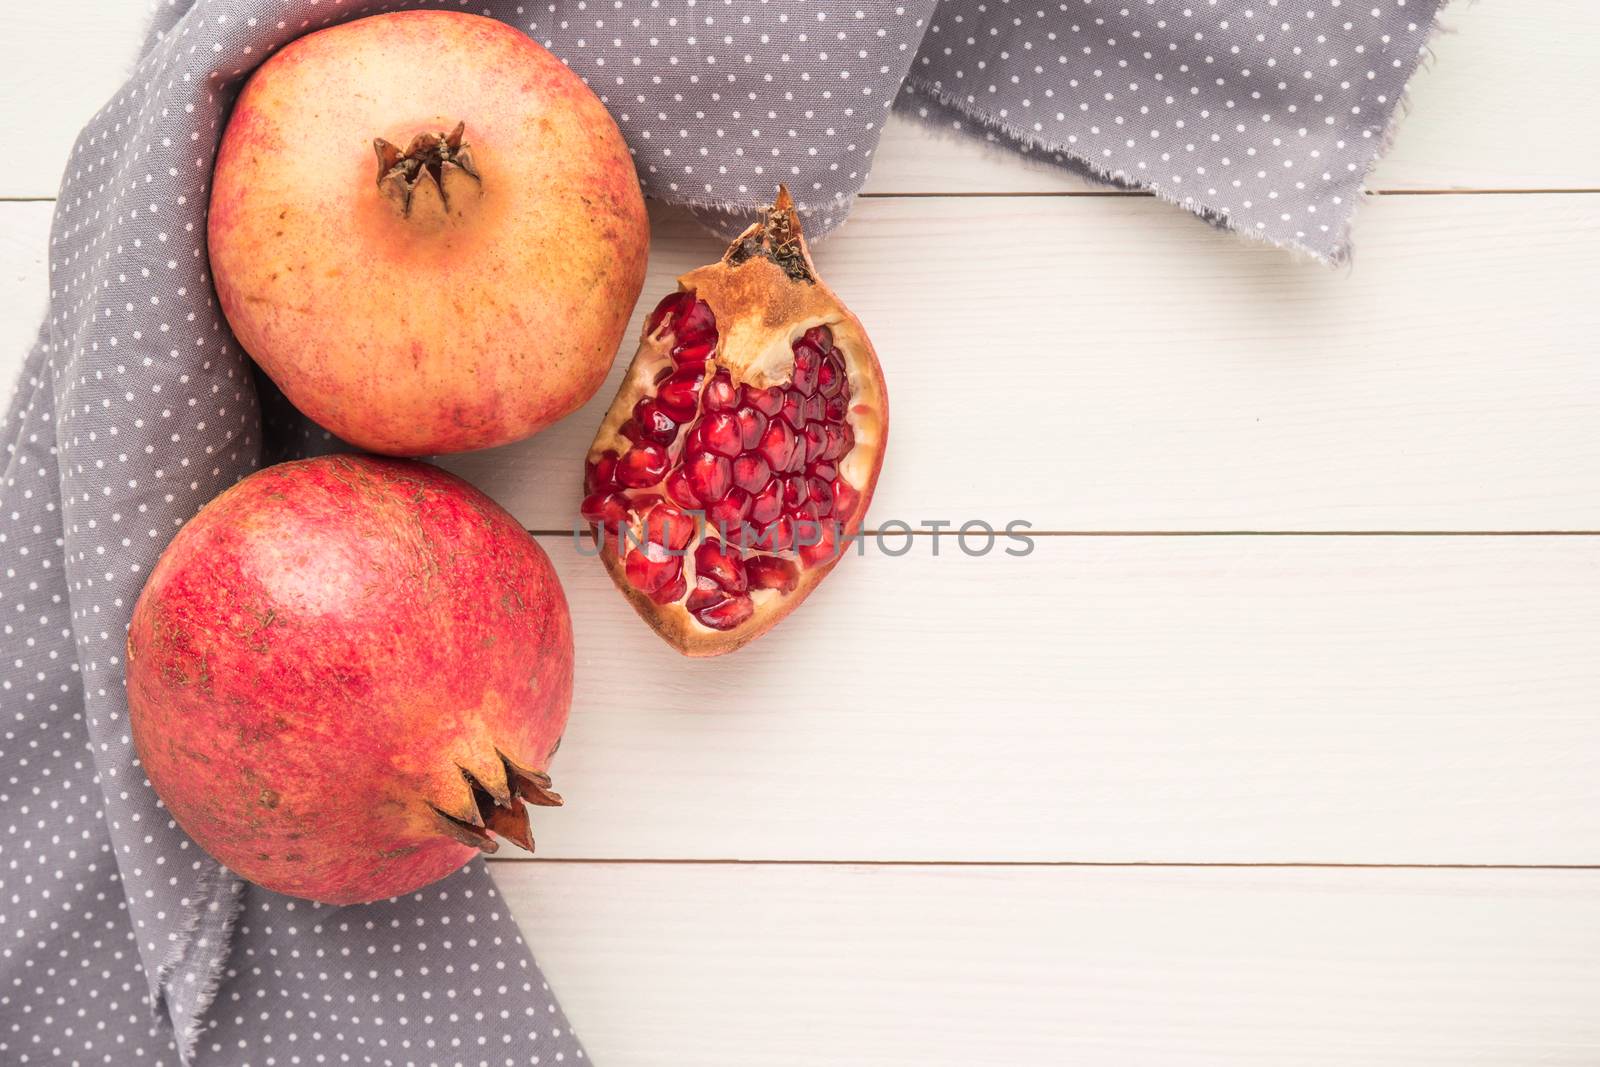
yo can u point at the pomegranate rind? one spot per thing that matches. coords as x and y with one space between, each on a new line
342 669
763 304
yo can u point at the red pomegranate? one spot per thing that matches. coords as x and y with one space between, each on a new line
739 457
465 286
345 672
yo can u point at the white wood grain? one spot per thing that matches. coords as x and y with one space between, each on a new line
1246 699
64 60
1171 382
1107 364
680 964
1504 106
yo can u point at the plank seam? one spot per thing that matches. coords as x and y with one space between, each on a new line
1137 194
1225 865
950 533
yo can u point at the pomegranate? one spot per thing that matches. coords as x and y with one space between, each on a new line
735 465
465 288
346 675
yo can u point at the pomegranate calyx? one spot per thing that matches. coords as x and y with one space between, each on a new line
493 813
776 237
465 832
533 786
512 824
432 162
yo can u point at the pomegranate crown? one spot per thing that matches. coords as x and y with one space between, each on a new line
430 159
776 236
500 807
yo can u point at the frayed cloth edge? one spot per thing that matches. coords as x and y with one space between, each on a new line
218 887
1343 249
221 887
1337 254
1082 164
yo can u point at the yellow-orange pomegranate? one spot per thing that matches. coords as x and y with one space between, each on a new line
427 231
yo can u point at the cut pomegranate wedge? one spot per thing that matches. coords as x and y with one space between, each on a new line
740 454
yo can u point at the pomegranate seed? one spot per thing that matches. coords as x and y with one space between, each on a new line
721 394
680 395
777 444
845 499
827 543
709 475
839 440
727 614
836 408
768 401
667 526
820 493
752 424
768 503
674 304
654 424
815 408
705 595
797 459
728 513
792 411
600 475
695 440
642 466
778 536
651 569
697 323
830 376
694 355
681 492
819 336
824 470
672 592
721 564
721 433
771 572
816 440
807 363
751 472
794 492
605 508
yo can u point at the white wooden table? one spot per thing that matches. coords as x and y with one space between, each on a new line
1282 748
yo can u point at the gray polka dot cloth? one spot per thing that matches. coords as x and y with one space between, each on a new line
1261 116
120 943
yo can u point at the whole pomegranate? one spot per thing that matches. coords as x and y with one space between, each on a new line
739 457
467 284
345 672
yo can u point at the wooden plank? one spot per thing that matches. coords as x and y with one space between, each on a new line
1152 375
68 58
1106 364
674 964
1165 699
1478 121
